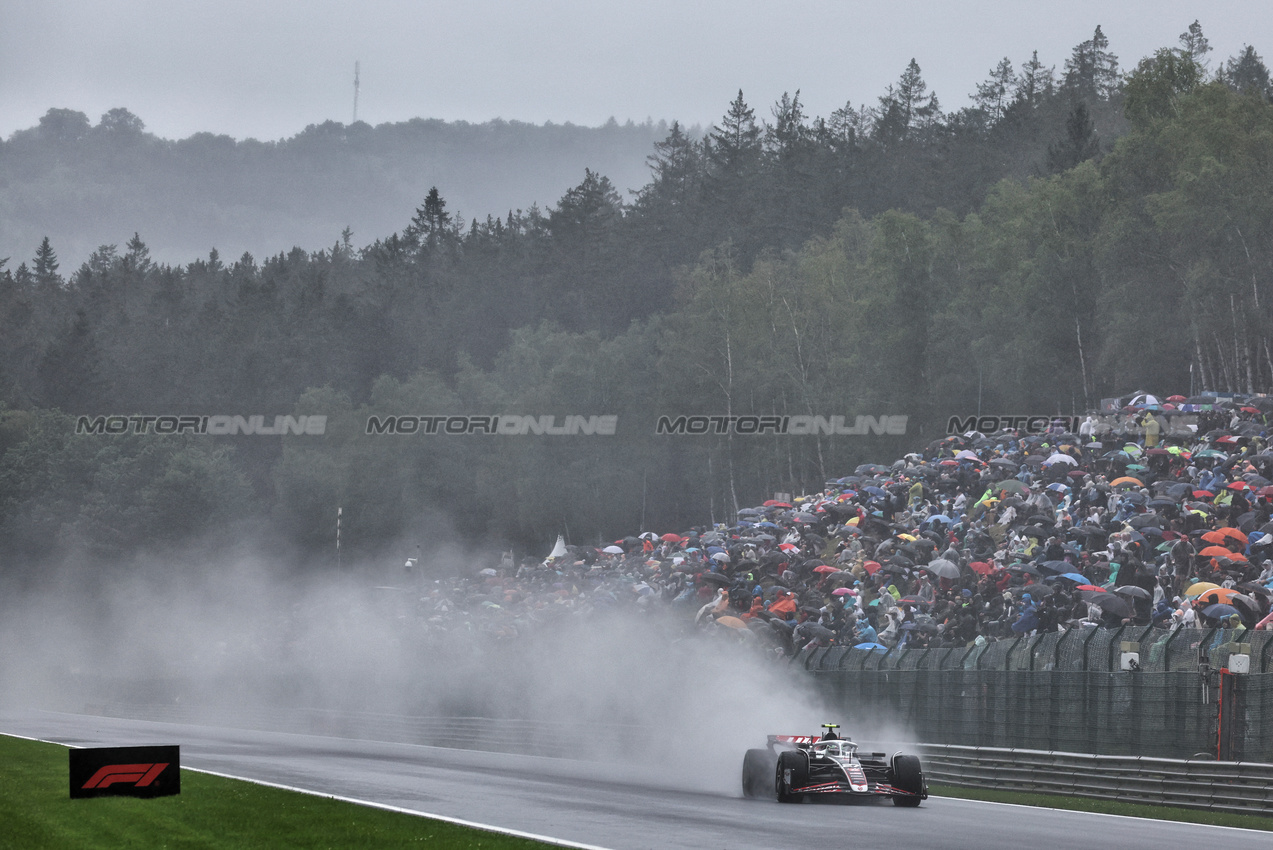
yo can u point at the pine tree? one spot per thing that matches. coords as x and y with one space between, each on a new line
992 96
906 107
46 265
430 223
735 141
1092 71
1035 83
1079 144
1247 73
138 256
1194 45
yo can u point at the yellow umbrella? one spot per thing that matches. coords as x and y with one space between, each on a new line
1200 587
731 622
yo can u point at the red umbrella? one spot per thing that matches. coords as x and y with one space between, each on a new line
1239 485
774 503
824 569
671 538
1203 494
871 567
1176 398
788 547
981 567
1090 587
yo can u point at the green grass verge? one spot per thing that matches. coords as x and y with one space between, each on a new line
210 812
1108 807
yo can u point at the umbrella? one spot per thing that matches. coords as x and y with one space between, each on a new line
1076 578
731 622
841 591
1248 604
1036 591
943 569
1217 595
1062 458
1011 485
1126 481
613 550
1219 612
981 568
871 567
1089 588
1135 591
1200 587
721 556
1109 603
1216 552
671 538
716 579
1222 536
871 647
823 569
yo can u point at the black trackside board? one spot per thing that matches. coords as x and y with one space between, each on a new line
125 771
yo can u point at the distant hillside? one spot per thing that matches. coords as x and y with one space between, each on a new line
86 185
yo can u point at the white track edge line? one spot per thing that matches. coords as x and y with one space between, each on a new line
1109 814
560 842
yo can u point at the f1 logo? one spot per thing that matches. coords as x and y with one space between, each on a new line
140 775
126 771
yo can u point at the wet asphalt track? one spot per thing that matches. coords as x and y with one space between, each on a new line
584 802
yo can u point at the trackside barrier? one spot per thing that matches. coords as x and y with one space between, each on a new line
1245 787
1068 692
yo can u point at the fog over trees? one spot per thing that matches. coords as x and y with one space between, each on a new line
1076 232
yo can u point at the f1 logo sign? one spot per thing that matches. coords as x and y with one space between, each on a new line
129 771
140 775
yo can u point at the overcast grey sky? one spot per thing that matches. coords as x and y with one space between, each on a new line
266 69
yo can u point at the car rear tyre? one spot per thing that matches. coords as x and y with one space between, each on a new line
758 767
909 777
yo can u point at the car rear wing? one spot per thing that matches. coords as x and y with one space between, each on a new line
791 740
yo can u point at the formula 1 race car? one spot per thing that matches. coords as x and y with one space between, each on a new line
793 766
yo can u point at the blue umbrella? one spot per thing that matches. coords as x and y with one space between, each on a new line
938 518
873 647
1219 612
1074 577
874 491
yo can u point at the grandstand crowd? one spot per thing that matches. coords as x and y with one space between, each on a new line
1158 516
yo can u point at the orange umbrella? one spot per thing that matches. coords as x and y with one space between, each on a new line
1226 534
1218 595
731 622
1216 552
1126 480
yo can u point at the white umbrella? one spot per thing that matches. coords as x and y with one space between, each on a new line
613 550
1062 458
